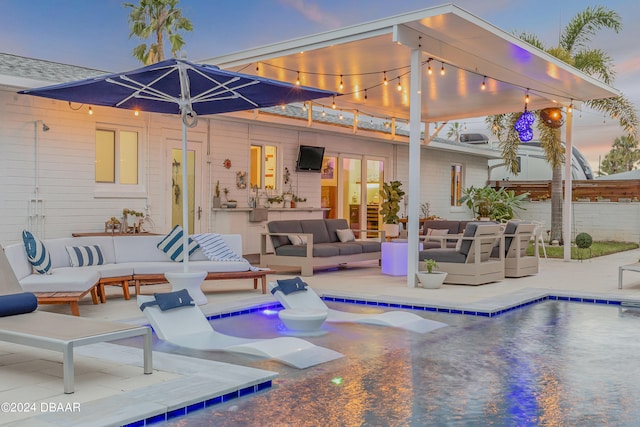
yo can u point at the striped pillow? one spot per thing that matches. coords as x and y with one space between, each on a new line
172 244
215 248
37 253
81 256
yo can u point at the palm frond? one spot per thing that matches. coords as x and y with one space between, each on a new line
595 62
618 108
584 25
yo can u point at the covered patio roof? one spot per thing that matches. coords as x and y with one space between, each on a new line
401 50
468 48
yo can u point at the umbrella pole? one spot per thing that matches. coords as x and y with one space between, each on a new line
185 200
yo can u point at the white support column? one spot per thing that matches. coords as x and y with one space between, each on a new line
566 214
415 115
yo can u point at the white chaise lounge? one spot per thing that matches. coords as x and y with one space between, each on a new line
308 300
59 332
187 326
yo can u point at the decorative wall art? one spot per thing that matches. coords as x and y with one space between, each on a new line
241 179
227 164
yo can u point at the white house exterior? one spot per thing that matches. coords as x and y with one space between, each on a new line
48 176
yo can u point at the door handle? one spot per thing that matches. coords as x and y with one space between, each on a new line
199 211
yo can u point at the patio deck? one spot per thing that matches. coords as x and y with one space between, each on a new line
111 390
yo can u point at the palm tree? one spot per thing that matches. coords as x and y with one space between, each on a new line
455 129
573 49
155 18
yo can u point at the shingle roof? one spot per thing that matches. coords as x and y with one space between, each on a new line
41 70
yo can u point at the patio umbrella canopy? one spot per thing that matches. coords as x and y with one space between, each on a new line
176 86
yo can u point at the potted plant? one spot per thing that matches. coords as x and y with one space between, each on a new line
298 202
231 203
391 194
216 198
487 203
432 279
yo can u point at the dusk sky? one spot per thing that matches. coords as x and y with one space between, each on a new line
95 34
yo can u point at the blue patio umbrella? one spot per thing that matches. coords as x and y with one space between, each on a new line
177 86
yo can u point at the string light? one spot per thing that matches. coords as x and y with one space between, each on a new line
399 87
526 97
483 86
429 69
298 79
341 86
90 111
333 104
365 94
570 109
340 116
385 81
136 113
442 71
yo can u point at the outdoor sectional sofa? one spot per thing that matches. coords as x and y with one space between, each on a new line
317 243
128 260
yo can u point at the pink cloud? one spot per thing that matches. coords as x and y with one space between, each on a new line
312 12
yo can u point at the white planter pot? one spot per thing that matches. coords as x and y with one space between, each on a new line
391 230
431 280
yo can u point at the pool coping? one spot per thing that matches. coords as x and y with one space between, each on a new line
160 402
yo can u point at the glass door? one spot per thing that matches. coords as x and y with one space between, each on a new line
175 180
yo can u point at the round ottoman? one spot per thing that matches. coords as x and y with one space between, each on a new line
303 322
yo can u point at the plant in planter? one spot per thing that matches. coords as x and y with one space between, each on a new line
431 279
216 197
583 241
298 201
391 194
231 203
489 203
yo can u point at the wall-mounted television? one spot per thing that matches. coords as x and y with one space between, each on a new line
309 159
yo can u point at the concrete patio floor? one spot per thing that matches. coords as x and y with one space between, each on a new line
111 388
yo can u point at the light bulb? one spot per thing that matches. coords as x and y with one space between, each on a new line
526 97
484 83
429 70
399 87
442 71
136 113
298 79
385 81
341 83
90 111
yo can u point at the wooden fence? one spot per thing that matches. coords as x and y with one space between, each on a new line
582 190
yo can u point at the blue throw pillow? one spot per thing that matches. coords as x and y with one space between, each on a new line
21 303
172 244
169 300
37 253
81 256
288 286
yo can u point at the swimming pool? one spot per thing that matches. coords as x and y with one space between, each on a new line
552 363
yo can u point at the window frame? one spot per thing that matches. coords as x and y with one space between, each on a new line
116 189
263 166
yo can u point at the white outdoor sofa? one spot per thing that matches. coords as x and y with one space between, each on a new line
129 260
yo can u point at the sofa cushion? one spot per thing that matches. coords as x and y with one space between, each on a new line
350 248
63 279
172 244
443 255
369 246
441 224
333 225
346 235
298 239
436 232
322 250
318 228
81 256
37 253
285 226
155 268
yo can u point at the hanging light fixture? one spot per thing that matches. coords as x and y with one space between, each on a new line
442 71
399 87
523 125
552 117
385 81
483 86
341 85
298 79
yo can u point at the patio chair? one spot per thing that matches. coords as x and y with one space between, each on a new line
58 332
517 263
537 237
308 301
470 264
186 326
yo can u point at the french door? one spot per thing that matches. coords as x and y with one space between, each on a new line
174 184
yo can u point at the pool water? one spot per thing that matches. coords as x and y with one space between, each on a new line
554 363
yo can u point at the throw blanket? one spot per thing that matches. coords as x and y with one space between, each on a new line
216 249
